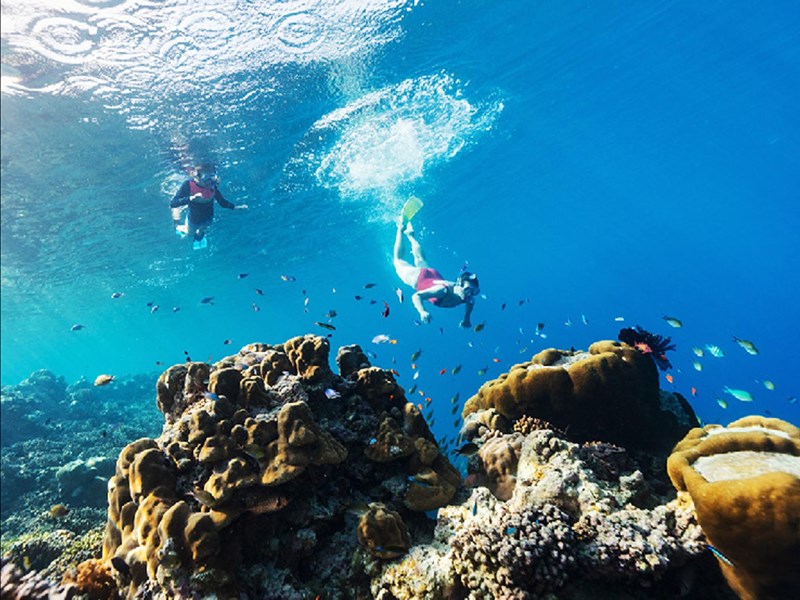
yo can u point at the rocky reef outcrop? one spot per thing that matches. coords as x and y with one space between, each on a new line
269 461
574 522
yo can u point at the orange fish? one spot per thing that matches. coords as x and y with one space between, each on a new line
496 360
443 371
419 406
427 400
413 365
392 341
694 391
669 378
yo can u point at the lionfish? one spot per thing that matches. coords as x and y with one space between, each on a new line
648 343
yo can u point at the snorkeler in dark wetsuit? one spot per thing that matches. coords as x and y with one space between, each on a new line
199 194
428 283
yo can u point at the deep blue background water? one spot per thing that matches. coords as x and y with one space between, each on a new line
599 159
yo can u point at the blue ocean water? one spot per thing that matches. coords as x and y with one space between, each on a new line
588 161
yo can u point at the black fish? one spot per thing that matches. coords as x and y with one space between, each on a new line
116 295
242 275
207 300
325 325
369 285
77 327
259 292
359 297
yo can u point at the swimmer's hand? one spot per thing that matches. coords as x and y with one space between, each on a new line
465 324
425 316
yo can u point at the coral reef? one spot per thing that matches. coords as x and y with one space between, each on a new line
744 480
16 584
280 456
563 528
609 393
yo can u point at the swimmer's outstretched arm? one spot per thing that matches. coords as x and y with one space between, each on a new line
468 306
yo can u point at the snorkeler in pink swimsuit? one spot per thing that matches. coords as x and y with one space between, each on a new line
428 283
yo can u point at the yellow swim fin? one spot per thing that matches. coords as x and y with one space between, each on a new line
411 208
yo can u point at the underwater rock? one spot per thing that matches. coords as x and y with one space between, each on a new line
744 480
608 393
285 453
84 482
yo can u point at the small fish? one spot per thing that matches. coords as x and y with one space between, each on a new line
479 327
467 449
242 275
670 378
325 325
117 295
373 441
741 395
619 319
77 327
697 366
568 322
369 285
416 375
211 396
521 302
399 293
121 566
153 309
748 346
176 309
475 508
768 384
359 297
715 351
103 380
455 398
305 303
584 319
412 390
511 530
331 314
255 451
227 342
442 371
791 400
697 351
719 555
58 511
503 306
721 402
150 303
416 355
385 312
332 394
371 354
454 410
288 277
497 360
259 292
255 307
694 391
482 370
207 300
456 370
381 338
672 321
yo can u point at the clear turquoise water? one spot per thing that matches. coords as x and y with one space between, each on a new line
599 159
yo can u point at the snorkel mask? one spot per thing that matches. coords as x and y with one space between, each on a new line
206 176
469 282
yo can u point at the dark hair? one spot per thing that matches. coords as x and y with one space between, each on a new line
205 168
471 278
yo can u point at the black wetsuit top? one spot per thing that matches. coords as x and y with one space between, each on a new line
200 213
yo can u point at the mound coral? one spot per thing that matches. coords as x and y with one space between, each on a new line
744 480
257 447
609 393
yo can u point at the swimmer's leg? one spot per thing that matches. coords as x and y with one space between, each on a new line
407 272
416 249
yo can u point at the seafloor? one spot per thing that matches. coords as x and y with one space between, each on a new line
269 475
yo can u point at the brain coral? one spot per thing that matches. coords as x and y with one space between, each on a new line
744 480
609 393
256 448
